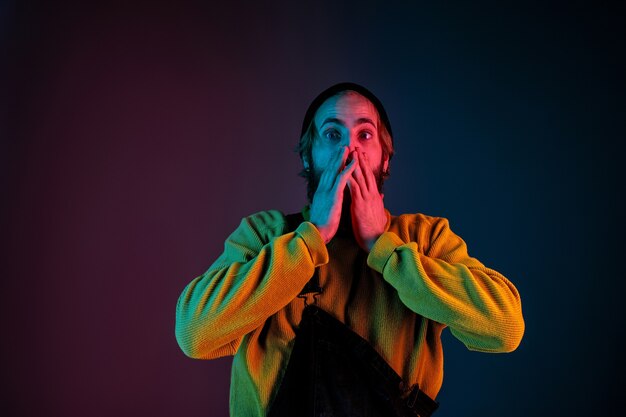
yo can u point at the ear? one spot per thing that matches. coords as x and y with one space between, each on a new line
305 163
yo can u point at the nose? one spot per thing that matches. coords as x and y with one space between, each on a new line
351 141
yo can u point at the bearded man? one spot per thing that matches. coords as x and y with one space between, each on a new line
338 310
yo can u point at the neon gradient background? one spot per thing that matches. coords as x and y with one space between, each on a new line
137 134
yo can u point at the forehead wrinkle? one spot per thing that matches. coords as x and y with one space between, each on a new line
363 110
333 120
358 122
365 120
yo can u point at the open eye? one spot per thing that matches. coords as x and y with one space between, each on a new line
365 135
332 134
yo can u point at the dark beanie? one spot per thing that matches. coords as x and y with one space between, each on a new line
338 88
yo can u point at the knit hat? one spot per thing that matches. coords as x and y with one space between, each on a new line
338 88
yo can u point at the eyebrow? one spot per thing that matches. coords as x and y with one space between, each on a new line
359 121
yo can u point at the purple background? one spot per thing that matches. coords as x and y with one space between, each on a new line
137 135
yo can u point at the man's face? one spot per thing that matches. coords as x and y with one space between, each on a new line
347 120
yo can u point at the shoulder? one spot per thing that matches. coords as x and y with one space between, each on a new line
265 224
418 227
422 220
266 219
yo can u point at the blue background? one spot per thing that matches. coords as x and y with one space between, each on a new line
137 135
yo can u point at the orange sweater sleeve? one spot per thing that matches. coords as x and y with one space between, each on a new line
260 271
440 281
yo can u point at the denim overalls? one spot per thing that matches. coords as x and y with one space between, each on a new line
334 372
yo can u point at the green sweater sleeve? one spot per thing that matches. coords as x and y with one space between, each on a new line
260 271
444 284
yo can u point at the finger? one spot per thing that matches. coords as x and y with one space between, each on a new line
324 180
373 180
329 176
355 189
360 179
369 173
342 156
341 164
342 178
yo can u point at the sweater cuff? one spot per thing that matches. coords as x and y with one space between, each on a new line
381 251
314 242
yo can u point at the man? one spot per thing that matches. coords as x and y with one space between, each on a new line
339 310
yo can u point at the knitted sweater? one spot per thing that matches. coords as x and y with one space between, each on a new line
417 279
